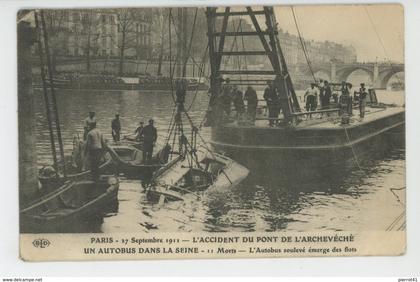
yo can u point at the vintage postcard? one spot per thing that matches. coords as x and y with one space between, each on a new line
211 132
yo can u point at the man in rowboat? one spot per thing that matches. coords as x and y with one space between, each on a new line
139 132
95 145
149 134
116 128
88 122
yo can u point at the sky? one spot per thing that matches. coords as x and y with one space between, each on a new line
350 24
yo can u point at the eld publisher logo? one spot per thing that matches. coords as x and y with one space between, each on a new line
41 243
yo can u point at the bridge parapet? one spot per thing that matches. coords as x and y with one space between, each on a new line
379 73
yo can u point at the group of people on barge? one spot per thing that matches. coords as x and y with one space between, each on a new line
319 96
323 93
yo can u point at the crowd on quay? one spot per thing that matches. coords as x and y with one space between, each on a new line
319 96
106 78
90 78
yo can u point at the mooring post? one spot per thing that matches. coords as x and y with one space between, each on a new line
28 172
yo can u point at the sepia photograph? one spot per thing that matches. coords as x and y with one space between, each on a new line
245 124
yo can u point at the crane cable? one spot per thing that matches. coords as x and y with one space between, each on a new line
381 42
303 44
178 35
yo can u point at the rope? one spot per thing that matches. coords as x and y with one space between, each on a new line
233 42
381 42
243 49
398 218
190 45
205 144
354 153
199 76
395 221
303 44
179 36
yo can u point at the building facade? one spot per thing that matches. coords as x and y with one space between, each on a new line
75 33
317 52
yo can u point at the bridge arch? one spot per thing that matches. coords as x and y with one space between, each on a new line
386 74
344 73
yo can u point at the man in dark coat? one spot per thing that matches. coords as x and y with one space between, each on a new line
149 134
327 94
362 100
252 102
116 128
238 102
272 99
226 97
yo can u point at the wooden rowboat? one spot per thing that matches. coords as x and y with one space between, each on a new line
52 182
65 208
129 161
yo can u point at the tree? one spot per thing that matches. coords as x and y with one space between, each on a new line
57 32
125 25
89 22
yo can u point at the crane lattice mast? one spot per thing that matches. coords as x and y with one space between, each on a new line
271 48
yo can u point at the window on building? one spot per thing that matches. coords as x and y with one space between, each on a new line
66 16
103 19
76 17
76 51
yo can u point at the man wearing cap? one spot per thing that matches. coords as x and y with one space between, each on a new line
139 132
362 100
95 145
149 134
226 97
88 123
327 94
272 99
116 128
311 96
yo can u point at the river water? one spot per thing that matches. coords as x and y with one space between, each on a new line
362 201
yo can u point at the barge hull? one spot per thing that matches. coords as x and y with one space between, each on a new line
309 154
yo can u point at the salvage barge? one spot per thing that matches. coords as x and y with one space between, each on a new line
310 150
304 144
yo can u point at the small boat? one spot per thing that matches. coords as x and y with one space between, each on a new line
213 172
50 181
65 208
132 140
129 161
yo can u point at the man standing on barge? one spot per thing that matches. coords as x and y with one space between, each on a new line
310 97
272 99
252 103
149 134
362 100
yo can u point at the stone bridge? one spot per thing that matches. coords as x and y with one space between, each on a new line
379 73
